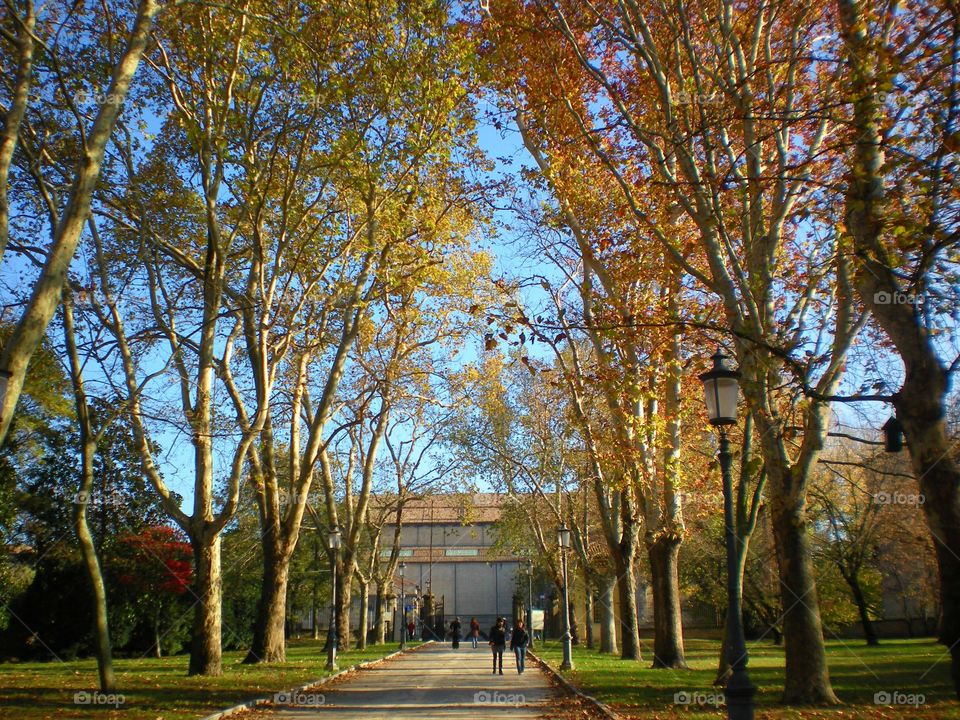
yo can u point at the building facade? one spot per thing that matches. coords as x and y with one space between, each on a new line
452 565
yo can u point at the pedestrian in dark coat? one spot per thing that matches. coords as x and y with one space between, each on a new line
455 632
518 643
498 643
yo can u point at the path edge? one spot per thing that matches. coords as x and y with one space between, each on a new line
604 709
256 702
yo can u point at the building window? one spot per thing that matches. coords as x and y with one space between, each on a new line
462 552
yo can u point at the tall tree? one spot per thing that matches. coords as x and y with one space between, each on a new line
900 83
90 145
178 191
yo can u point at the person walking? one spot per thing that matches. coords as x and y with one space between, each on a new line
498 643
474 631
411 630
519 640
455 633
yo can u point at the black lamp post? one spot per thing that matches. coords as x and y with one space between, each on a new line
403 611
530 599
563 540
721 388
333 542
892 435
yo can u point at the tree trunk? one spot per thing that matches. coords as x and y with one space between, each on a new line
157 647
608 614
364 608
667 618
869 634
269 629
20 98
930 452
97 586
205 652
343 610
88 448
807 678
629 624
380 619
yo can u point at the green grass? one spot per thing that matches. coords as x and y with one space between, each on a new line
857 672
154 689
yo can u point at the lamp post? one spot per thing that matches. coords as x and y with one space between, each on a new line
333 542
530 599
403 611
721 388
563 540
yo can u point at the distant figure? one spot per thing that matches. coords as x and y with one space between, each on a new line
498 643
518 643
474 631
411 630
455 632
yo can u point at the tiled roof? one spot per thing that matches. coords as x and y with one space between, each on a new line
453 509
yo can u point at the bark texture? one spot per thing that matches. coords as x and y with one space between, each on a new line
807 678
668 623
205 653
269 630
608 614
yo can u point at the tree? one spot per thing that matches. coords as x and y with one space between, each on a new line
155 565
89 439
901 104
718 167
847 521
68 221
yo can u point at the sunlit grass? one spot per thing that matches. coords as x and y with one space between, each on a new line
858 672
154 688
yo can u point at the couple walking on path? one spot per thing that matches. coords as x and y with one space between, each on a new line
455 632
519 639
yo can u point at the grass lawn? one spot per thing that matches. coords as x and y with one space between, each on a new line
858 672
158 689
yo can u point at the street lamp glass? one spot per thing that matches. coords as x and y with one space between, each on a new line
403 566
333 538
721 389
563 536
